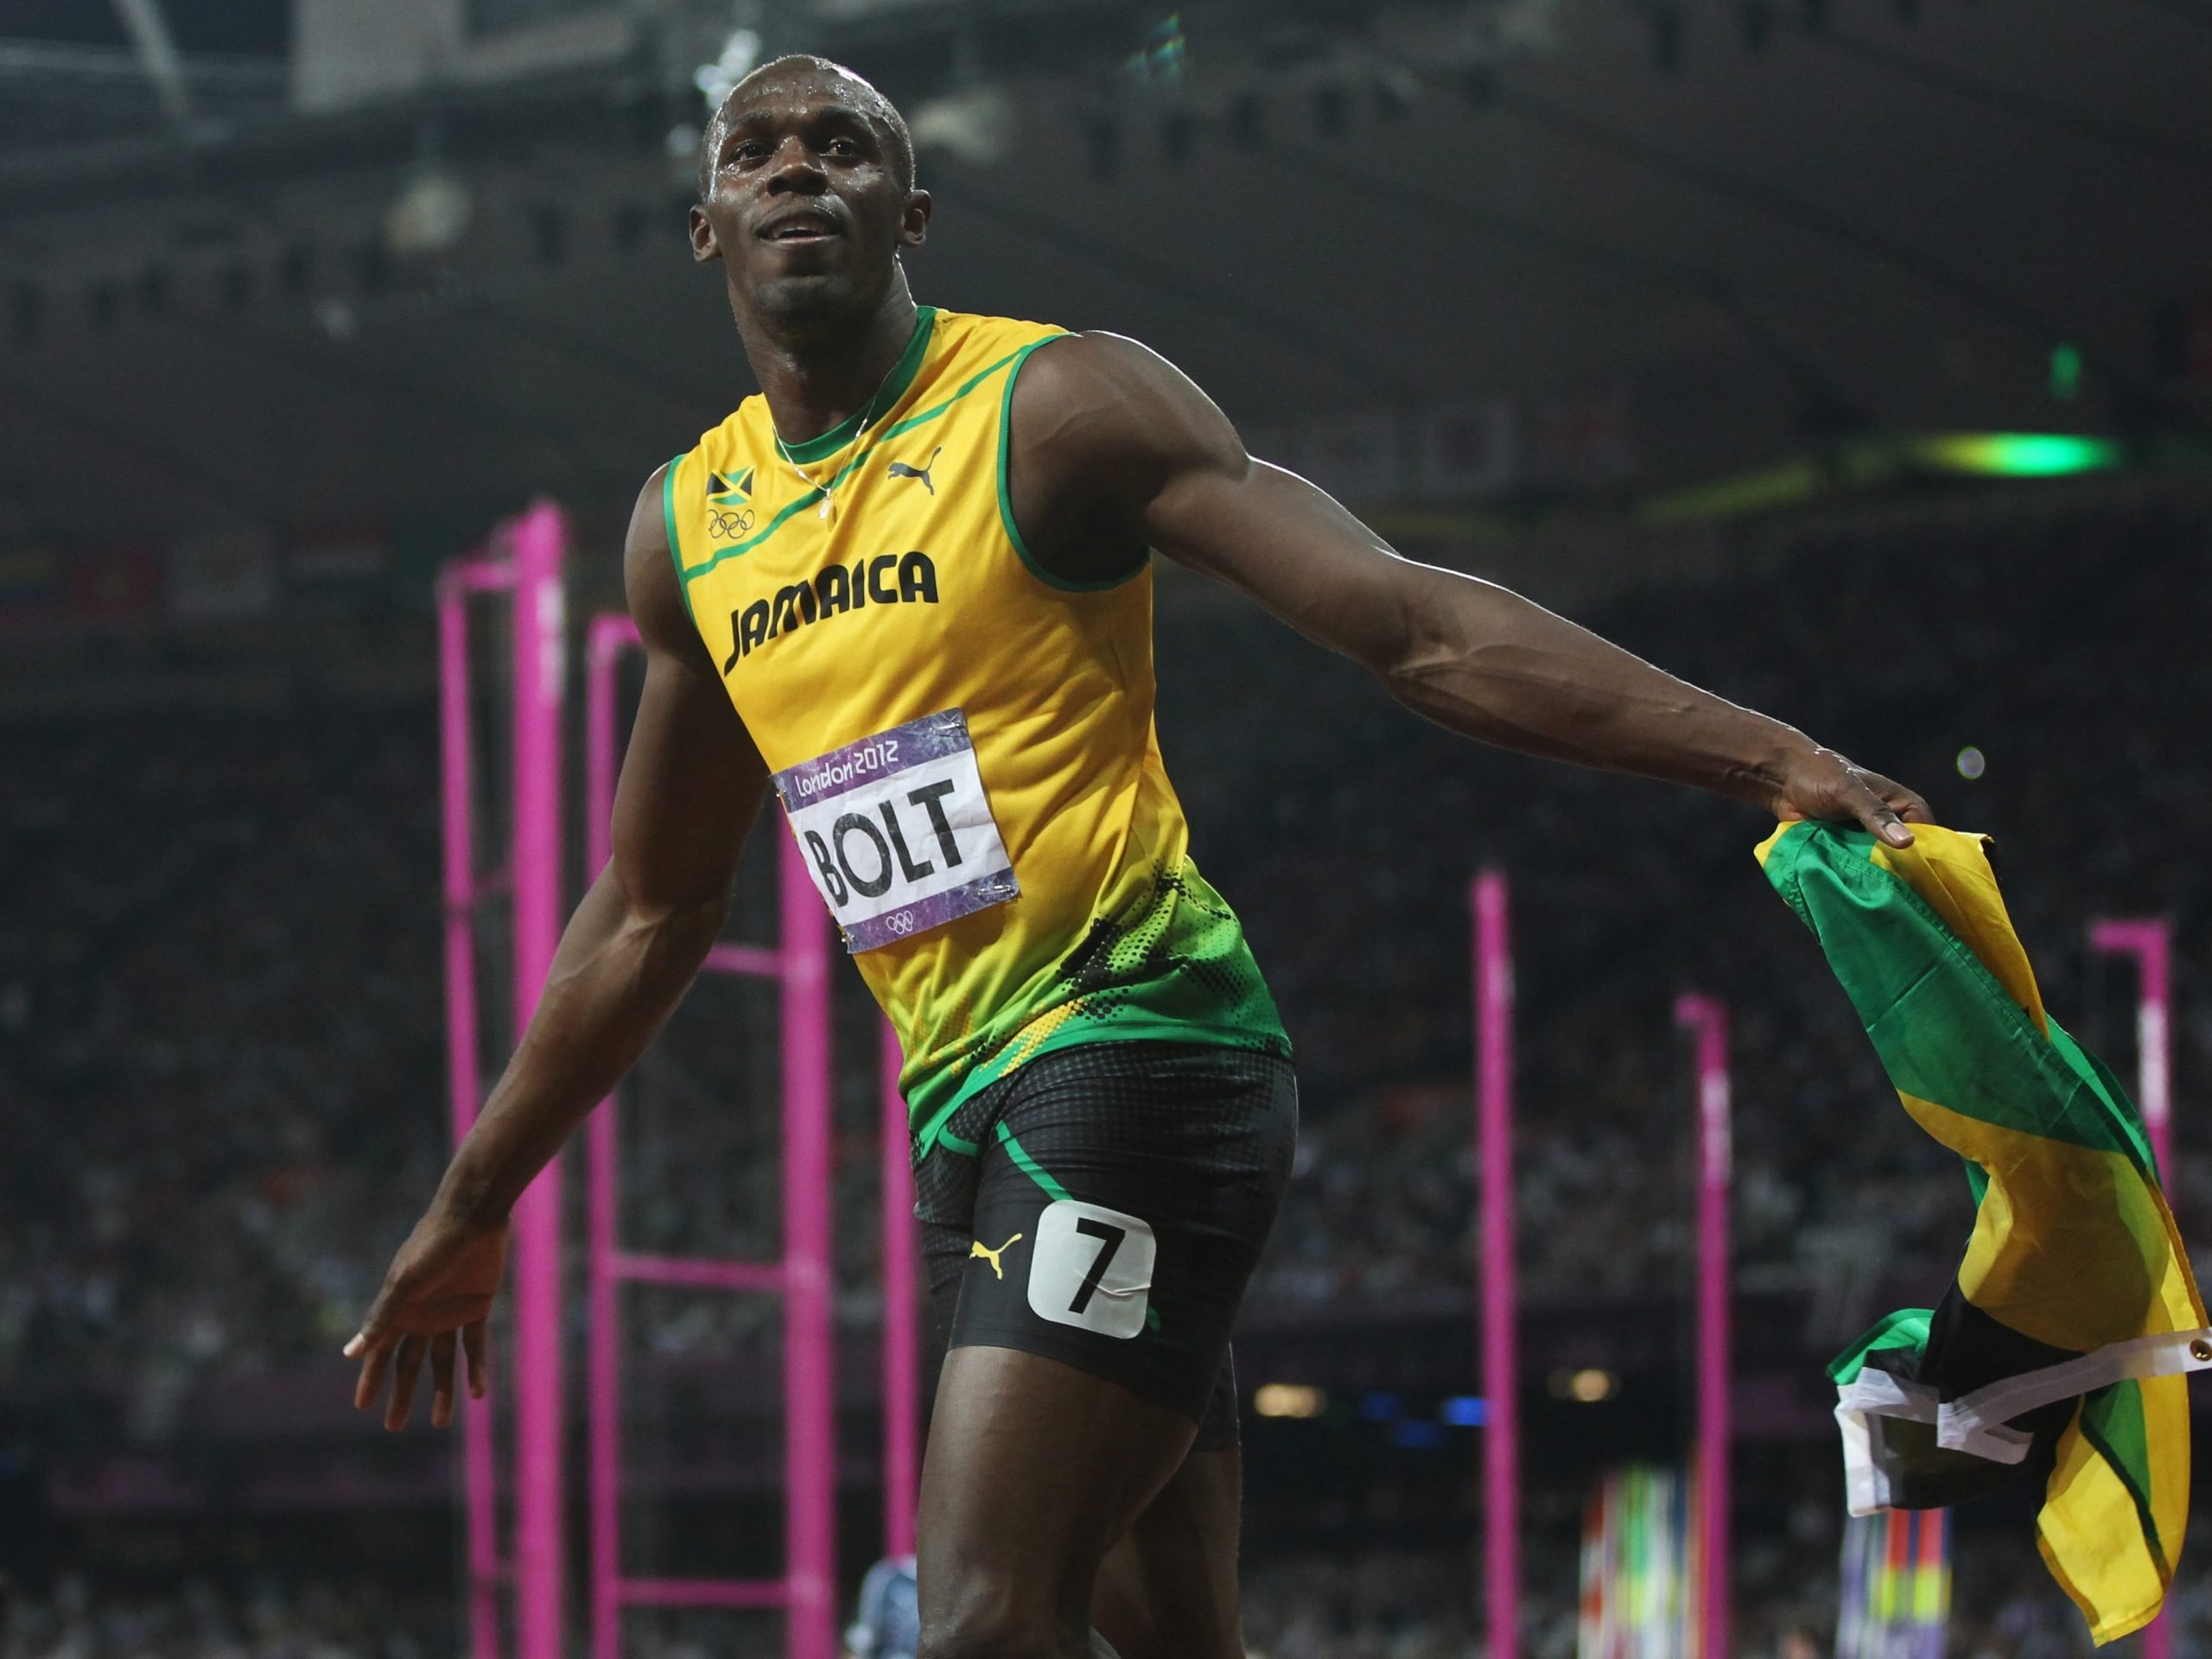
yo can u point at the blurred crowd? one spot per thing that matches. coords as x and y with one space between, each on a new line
220 1043
1375 1603
1387 1604
272 1618
221 1005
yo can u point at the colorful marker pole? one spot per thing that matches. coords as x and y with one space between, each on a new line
902 1403
606 641
2150 941
1500 1355
810 1396
540 686
457 764
1706 1017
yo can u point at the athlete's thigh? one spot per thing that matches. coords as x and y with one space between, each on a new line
1034 1468
1168 1587
1090 1242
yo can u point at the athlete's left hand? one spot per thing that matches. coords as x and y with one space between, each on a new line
1821 785
437 1293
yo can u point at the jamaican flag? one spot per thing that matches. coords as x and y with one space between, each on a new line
2059 1350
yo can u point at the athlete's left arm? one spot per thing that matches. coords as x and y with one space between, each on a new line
1110 441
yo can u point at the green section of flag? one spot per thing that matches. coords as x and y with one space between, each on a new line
1903 1332
1944 1028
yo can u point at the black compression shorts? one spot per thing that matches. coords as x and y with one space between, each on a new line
1105 1205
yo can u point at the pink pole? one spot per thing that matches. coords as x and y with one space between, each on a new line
1708 1017
608 638
456 769
2150 943
539 685
1500 1361
902 1405
809 1404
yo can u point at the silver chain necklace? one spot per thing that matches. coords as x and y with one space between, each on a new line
867 416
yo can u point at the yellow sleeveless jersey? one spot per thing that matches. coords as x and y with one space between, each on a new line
962 744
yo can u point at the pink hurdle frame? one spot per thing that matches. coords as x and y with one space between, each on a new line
2150 942
800 966
1498 1298
526 561
802 1277
1708 1018
534 546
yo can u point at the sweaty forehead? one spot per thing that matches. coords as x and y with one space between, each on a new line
809 92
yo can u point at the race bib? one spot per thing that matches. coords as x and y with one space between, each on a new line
1092 1268
898 832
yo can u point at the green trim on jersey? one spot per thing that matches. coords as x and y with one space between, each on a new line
893 389
738 551
668 523
1005 494
1175 969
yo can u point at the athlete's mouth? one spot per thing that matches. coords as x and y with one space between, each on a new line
808 226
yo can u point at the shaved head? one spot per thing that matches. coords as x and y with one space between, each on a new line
803 66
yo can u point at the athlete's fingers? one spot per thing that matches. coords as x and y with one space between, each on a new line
1877 814
478 1348
442 1357
406 1369
377 1360
1910 804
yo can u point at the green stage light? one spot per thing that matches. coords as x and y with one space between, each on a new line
2018 455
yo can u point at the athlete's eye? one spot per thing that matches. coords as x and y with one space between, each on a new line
844 148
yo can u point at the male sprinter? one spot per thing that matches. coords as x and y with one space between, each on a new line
907 587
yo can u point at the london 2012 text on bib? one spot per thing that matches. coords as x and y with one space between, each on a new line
898 831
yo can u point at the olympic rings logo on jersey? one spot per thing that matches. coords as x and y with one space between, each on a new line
726 522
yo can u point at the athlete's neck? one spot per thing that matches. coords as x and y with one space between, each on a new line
818 378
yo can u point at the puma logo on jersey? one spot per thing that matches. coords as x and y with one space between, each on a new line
980 1251
900 469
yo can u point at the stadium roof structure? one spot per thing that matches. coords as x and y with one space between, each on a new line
1768 225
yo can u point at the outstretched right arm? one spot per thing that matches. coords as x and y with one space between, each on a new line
691 785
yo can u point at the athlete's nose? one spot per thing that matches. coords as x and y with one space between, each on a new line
793 168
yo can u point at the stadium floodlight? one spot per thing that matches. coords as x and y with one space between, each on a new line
739 52
2019 454
430 215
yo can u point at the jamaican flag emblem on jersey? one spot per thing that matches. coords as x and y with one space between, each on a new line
2059 1350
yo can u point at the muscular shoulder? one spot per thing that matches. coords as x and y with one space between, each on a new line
1109 399
1100 424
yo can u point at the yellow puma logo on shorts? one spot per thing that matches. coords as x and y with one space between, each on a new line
981 1249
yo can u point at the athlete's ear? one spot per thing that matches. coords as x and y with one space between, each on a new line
704 248
914 225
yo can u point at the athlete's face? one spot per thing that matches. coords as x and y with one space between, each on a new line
803 204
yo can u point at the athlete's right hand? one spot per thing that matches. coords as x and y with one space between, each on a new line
437 1291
